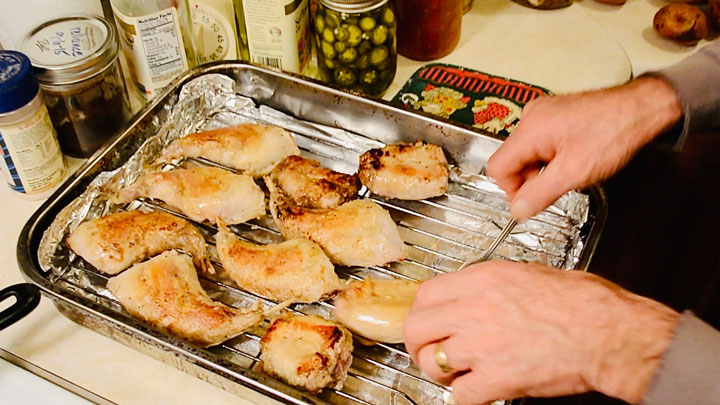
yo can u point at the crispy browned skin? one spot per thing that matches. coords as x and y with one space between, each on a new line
405 171
253 149
310 185
376 309
116 241
202 193
309 352
166 293
296 269
357 233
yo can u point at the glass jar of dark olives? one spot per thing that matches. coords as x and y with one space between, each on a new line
356 44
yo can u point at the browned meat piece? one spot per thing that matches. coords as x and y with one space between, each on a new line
357 233
310 185
116 241
309 352
376 309
296 269
166 293
405 171
253 149
202 193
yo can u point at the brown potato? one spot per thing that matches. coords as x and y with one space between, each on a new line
681 22
714 9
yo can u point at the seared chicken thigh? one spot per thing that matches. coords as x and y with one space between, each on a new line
253 149
376 309
296 269
202 193
116 241
405 171
357 233
166 293
310 185
309 352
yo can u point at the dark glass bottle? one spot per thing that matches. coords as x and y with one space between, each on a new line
428 29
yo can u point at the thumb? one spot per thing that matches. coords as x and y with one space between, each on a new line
538 192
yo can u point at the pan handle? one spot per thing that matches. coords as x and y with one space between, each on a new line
27 296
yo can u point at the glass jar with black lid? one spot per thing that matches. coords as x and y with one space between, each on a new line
76 62
357 44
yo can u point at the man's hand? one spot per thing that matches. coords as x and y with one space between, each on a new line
582 139
513 330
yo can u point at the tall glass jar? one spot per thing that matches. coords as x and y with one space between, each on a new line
156 38
76 62
356 43
428 29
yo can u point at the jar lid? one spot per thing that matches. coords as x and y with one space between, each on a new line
70 49
352 6
18 85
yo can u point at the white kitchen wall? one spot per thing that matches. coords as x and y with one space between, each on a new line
19 16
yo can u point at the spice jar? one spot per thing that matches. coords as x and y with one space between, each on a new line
428 29
76 62
31 156
356 43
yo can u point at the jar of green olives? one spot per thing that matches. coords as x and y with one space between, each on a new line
356 44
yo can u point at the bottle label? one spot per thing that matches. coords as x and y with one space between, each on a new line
278 33
31 154
153 48
213 30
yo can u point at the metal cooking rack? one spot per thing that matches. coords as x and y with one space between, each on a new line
384 373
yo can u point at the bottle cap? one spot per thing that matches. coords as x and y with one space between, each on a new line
352 6
70 49
18 85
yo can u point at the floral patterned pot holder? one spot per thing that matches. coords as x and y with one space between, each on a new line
467 96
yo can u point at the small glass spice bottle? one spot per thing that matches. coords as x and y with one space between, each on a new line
31 157
356 42
76 62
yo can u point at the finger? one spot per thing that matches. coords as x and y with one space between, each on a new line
428 326
450 287
540 191
475 388
509 162
457 359
428 363
436 291
527 173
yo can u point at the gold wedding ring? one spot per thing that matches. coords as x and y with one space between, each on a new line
441 359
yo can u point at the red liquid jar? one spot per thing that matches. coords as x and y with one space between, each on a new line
428 29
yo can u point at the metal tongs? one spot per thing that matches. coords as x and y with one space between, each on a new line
488 253
485 256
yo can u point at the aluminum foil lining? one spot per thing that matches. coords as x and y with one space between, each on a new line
210 101
440 233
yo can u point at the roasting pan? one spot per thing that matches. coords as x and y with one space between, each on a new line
381 374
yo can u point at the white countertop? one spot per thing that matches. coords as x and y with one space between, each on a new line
587 45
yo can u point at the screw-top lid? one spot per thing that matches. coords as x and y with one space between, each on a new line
70 49
18 85
352 6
